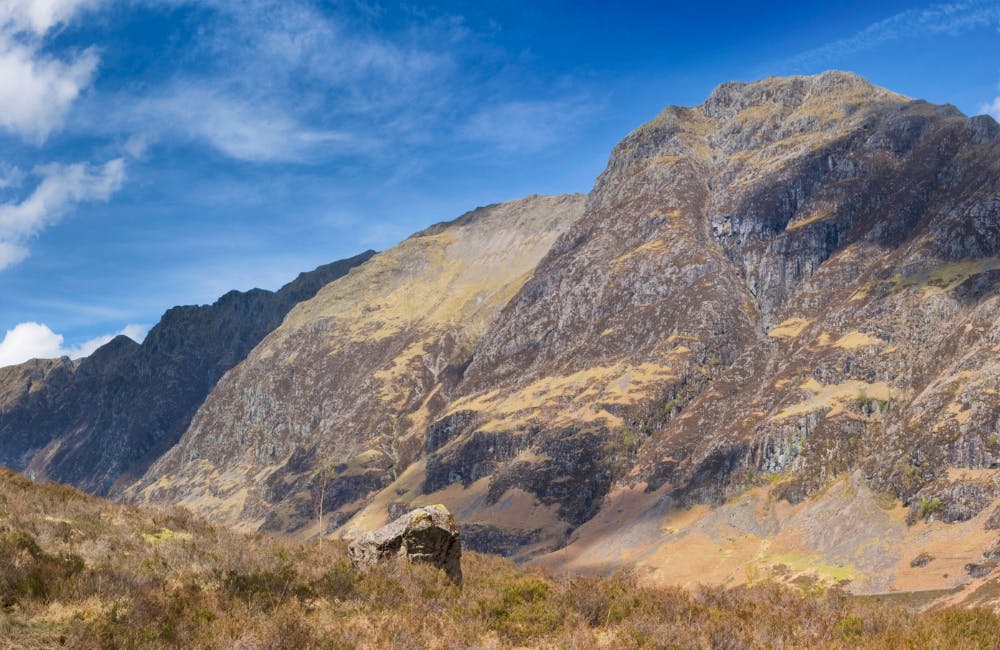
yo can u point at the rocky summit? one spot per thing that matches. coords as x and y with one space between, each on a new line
764 344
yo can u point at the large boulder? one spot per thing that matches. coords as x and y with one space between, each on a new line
427 534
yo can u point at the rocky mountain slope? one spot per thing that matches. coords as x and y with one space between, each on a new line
92 422
333 404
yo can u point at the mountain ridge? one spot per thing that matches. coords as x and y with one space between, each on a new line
110 411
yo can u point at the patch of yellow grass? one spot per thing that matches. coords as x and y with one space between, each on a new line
653 245
818 215
936 280
811 565
811 385
834 395
854 340
167 535
789 328
577 397
946 277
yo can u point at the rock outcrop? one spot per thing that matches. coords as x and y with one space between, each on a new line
427 535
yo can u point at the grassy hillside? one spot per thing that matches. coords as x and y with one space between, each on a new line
79 572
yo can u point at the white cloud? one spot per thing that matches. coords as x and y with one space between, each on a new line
11 176
36 91
62 187
135 332
525 125
37 341
29 341
992 108
137 145
11 254
39 16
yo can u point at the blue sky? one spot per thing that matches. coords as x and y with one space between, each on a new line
162 152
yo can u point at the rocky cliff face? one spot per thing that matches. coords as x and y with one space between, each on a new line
93 422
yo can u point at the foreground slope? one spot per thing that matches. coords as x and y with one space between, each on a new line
79 572
333 405
104 418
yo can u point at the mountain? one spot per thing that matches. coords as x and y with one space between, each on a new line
787 289
765 344
775 318
102 419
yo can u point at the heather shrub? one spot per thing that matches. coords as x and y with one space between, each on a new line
76 572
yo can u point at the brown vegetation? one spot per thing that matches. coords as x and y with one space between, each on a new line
79 572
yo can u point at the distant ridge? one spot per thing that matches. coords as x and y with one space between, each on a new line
91 422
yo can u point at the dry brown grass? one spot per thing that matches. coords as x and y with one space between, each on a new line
81 573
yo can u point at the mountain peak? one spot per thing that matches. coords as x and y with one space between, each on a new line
734 97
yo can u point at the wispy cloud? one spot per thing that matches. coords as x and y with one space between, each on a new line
37 90
11 254
37 341
292 81
61 188
229 124
519 126
941 19
289 82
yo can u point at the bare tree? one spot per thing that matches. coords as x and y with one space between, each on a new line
388 446
321 485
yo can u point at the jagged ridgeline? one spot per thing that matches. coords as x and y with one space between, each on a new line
99 422
765 343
